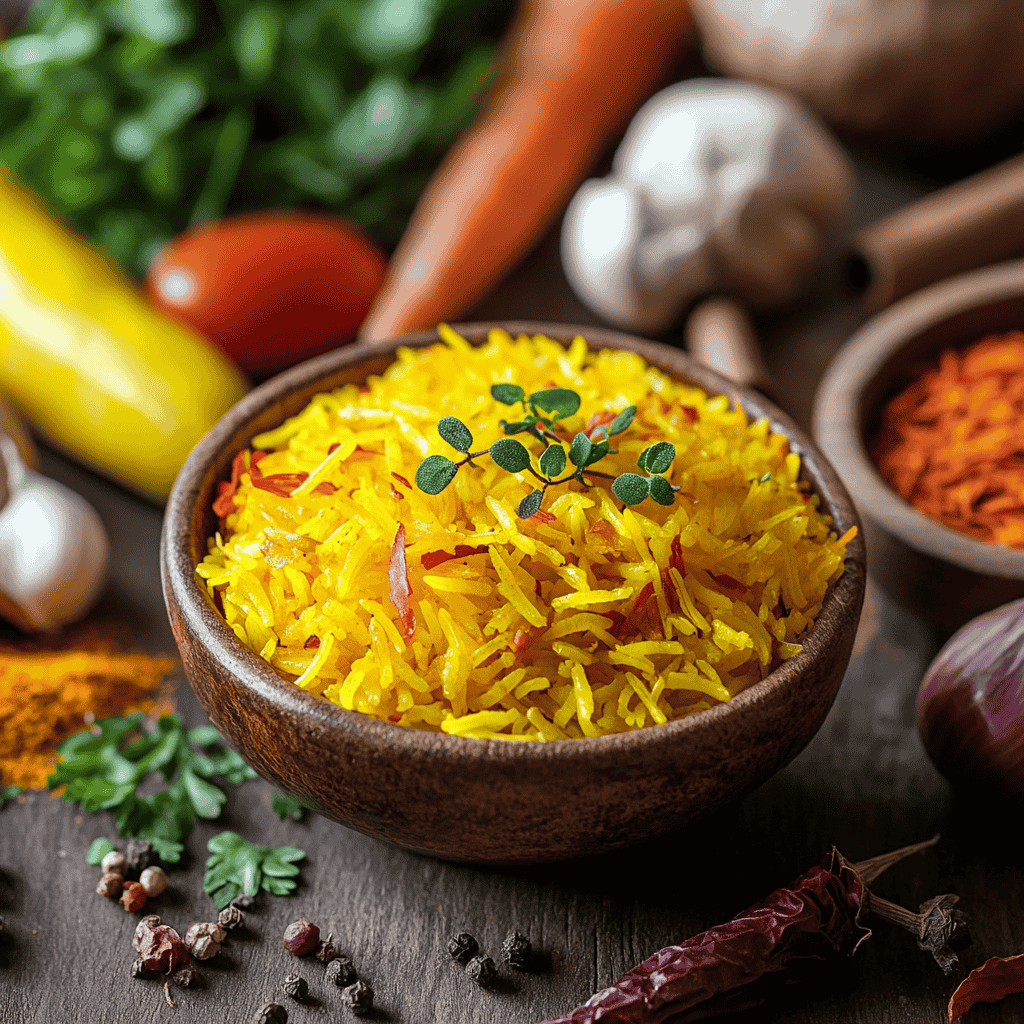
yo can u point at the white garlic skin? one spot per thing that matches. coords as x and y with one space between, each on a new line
716 184
54 551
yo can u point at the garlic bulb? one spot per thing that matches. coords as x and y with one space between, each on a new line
933 70
54 552
717 184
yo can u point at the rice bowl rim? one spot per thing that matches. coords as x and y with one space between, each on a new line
189 522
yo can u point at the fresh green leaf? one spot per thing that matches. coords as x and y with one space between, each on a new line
598 452
517 428
557 402
580 449
530 505
237 866
98 849
513 456
657 458
105 768
255 41
7 794
552 460
507 394
284 805
631 488
456 433
623 421
435 473
661 490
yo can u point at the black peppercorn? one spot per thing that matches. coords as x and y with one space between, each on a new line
358 997
516 951
462 946
341 972
295 986
231 918
326 952
139 856
271 1013
481 970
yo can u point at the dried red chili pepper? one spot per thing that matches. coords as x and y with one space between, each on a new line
434 558
732 966
993 980
401 588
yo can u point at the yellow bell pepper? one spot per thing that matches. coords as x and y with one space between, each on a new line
104 375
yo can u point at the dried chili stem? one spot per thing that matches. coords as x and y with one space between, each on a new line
167 994
868 870
937 927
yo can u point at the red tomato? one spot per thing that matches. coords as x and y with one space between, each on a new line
270 288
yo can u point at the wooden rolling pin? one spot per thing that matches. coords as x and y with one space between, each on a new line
721 335
977 221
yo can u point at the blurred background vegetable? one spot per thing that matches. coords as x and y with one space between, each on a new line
270 288
573 71
140 118
91 364
970 708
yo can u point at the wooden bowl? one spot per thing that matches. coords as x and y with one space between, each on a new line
484 800
947 576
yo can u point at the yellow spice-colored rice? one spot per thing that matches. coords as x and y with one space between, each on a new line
517 643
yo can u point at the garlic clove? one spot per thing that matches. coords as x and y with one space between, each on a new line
54 551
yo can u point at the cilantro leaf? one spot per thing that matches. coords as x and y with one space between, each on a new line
8 793
105 767
284 805
98 849
237 866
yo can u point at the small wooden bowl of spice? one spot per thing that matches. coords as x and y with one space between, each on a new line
922 414
515 597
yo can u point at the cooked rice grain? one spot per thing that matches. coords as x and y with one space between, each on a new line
521 629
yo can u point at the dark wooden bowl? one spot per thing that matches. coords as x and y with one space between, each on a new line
946 575
485 800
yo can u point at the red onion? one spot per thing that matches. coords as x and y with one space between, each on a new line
970 709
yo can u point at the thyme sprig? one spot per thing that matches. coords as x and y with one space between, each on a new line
541 412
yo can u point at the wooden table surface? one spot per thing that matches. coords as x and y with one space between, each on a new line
864 784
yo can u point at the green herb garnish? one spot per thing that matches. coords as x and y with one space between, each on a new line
98 849
7 794
541 412
105 766
238 866
139 118
284 805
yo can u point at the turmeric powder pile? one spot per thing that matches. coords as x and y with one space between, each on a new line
49 693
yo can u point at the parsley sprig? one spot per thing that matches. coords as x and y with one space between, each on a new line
541 412
104 768
7 794
237 866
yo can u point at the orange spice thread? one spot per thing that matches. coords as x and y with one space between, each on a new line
952 443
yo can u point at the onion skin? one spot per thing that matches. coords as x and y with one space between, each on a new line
970 708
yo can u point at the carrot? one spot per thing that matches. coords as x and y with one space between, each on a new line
573 72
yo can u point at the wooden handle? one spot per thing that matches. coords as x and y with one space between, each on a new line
970 224
721 335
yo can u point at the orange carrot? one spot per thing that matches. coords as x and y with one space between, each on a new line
573 72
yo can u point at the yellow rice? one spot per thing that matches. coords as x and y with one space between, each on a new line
539 636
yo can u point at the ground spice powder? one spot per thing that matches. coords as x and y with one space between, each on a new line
952 443
48 694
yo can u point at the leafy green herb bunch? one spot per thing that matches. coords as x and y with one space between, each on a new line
541 413
139 118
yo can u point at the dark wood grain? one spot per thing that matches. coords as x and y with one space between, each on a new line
864 783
